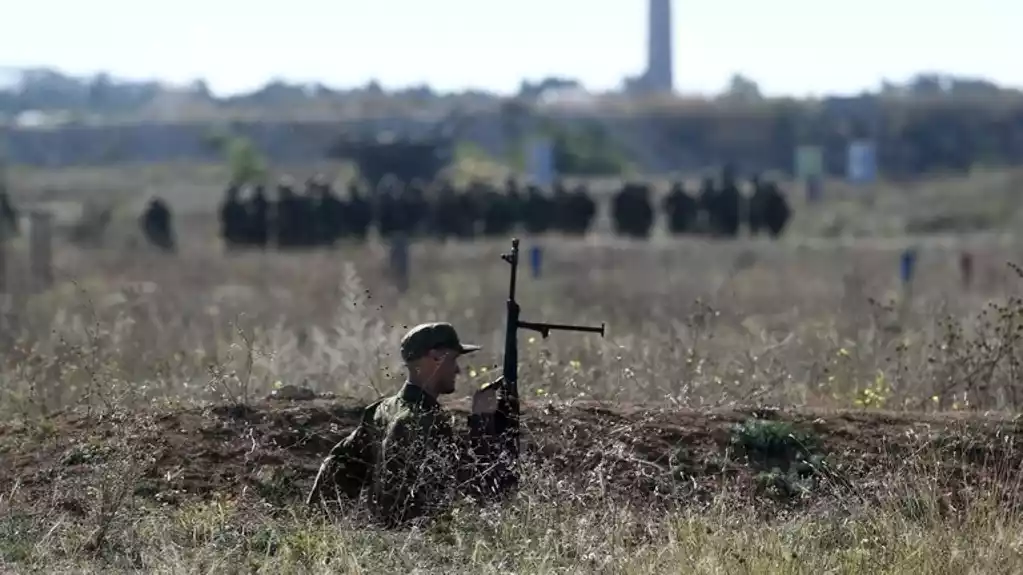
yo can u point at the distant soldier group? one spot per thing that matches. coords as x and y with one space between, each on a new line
718 209
318 216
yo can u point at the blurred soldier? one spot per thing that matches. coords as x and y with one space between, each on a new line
705 201
404 217
538 212
497 212
515 201
561 207
233 218
444 212
358 214
466 214
581 211
329 213
291 215
476 200
417 205
386 206
777 211
755 216
768 208
404 451
257 216
8 217
727 206
156 225
632 211
304 218
681 210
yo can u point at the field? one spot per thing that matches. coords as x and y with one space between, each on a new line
754 407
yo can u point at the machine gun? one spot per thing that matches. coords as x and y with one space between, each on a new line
507 416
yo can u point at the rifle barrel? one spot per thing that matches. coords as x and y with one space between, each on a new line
544 328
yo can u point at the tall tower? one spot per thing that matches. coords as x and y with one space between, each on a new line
659 77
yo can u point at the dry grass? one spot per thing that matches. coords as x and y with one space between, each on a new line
704 326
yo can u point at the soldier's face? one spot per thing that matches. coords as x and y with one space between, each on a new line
447 371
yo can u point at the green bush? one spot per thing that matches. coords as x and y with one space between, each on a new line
247 165
587 151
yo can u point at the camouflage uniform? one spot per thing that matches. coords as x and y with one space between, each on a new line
406 454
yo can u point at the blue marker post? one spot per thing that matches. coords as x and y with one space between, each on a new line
536 260
907 266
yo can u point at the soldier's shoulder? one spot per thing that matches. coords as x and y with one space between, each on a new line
408 418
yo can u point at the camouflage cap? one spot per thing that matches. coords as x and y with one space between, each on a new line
429 336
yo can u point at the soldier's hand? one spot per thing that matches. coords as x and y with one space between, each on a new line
484 401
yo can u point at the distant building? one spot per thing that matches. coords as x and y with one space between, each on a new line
658 78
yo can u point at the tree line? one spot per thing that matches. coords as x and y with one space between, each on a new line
929 124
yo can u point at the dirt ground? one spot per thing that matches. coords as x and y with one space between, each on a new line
272 449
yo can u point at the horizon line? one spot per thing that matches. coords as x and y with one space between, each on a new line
466 90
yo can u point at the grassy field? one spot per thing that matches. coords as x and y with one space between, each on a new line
755 407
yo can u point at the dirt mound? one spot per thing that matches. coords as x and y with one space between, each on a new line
273 450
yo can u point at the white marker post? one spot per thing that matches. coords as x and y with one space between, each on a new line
543 173
861 164
541 162
41 249
810 171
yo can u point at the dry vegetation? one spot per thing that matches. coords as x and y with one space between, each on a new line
754 408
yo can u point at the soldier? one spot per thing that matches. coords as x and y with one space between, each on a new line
633 211
582 210
768 208
444 212
289 214
257 217
358 214
387 206
466 214
706 199
497 212
561 207
329 214
681 210
404 450
8 217
537 210
233 218
755 217
728 205
156 225
305 215
516 203
416 203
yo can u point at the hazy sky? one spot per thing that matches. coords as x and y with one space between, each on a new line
788 46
